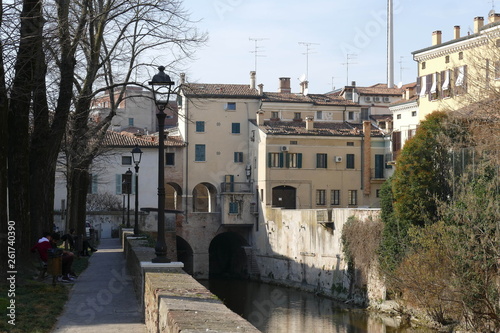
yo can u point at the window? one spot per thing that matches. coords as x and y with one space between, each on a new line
398 116
352 197
434 87
350 115
364 113
460 56
297 116
294 160
321 161
235 128
414 113
335 197
319 115
126 160
92 184
275 160
275 115
497 70
447 59
294 142
350 144
379 166
131 121
233 207
320 197
350 161
238 157
169 158
200 126
381 125
423 65
124 184
231 106
460 82
199 153
377 193
445 88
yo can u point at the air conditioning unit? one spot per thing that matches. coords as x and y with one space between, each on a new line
367 99
338 159
284 148
386 99
376 99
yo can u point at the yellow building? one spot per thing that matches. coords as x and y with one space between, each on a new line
461 71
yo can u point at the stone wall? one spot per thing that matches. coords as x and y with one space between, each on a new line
303 249
175 302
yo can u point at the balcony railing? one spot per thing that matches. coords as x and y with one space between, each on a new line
236 187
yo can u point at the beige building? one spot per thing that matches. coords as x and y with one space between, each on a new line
460 71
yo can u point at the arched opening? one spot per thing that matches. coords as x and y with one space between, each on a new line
227 257
284 197
173 196
185 254
204 198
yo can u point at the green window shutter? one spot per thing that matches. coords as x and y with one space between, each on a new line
287 165
282 158
269 160
299 160
118 178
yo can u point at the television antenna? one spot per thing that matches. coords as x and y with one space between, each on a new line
349 56
256 49
308 51
492 6
401 68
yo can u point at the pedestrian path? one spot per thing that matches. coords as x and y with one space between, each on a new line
103 299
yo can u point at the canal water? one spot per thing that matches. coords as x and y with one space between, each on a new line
276 309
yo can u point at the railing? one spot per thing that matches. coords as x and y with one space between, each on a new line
236 187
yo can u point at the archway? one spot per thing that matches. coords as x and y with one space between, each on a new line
204 198
173 196
185 254
284 197
227 257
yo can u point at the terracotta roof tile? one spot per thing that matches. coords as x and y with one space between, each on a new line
219 90
317 99
379 89
125 139
320 129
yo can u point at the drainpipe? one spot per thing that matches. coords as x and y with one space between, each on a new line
367 126
186 161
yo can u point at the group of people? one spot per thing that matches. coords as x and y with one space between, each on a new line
47 244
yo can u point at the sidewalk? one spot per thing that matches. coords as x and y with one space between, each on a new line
102 299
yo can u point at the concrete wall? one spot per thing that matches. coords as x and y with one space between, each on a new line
302 248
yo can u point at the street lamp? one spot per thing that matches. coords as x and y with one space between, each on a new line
136 157
128 179
162 88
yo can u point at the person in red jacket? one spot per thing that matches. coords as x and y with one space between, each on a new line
49 241
42 246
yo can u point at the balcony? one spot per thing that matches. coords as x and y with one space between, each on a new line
236 187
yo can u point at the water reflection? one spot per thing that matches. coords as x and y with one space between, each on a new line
276 309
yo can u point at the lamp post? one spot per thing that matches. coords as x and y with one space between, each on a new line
162 88
129 189
136 157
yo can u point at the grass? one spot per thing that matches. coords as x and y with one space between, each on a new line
38 304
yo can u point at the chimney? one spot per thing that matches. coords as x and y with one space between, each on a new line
436 37
309 123
284 85
367 127
183 78
478 23
261 89
252 80
304 87
260 118
353 83
493 17
456 32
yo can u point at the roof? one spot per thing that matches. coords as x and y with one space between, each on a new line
381 117
320 129
317 99
219 90
379 89
125 139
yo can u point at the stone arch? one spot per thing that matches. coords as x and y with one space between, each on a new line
284 196
204 198
173 196
185 254
227 256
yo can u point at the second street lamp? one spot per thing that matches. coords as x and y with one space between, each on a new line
162 88
136 158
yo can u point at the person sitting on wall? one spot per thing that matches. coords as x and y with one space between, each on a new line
70 239
67 260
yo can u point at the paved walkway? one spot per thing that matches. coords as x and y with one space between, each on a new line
102 299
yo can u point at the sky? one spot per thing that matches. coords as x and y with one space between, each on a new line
317 38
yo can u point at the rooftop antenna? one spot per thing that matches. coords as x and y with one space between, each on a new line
401 68
492 5
308 49
256 49
349 56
